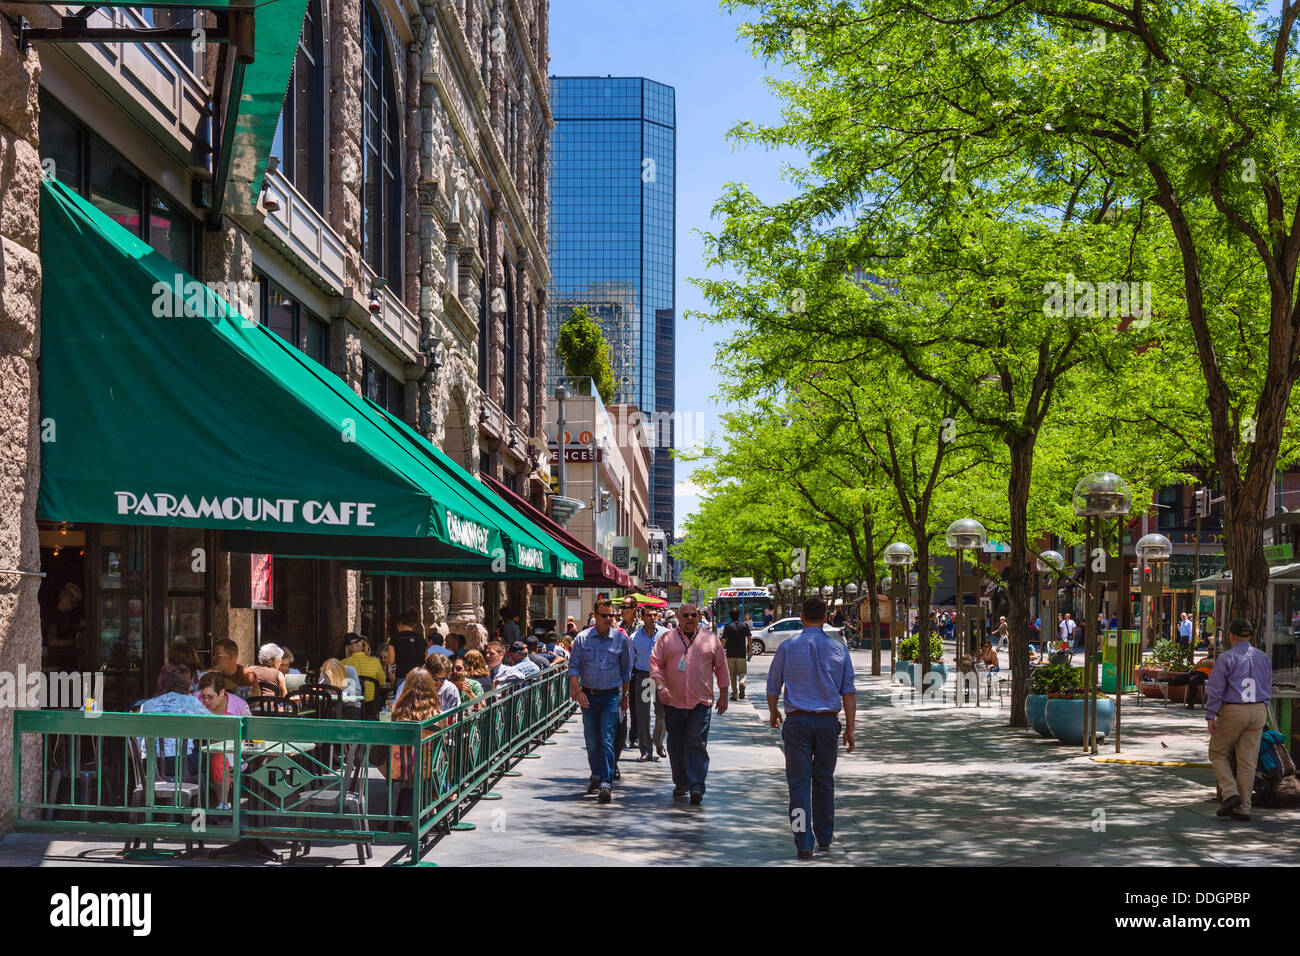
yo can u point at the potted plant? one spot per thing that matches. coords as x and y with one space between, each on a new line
1047 680
1172 660
1064 714
909 649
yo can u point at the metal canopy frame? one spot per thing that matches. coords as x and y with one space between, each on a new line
250 86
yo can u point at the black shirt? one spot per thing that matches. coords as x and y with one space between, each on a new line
736 637
409 650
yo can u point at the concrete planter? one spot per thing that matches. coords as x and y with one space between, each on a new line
1035 712
1065 718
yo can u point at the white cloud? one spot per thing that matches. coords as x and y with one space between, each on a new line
687 489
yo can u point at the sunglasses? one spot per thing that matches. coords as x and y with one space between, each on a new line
605 615
690 615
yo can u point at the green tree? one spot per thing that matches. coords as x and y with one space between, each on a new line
1186 111
582 347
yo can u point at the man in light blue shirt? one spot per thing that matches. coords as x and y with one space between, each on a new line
643 688
818 678
600 669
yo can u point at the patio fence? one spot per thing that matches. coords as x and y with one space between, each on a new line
222 779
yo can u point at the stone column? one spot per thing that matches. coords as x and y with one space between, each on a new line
20 415
344 24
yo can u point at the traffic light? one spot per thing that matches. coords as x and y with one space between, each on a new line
604 501
1202 503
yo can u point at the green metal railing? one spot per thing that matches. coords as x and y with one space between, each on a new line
199 778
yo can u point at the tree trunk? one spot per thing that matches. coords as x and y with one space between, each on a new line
922 567
1244 554
1020 582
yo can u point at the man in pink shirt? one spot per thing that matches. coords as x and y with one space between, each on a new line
684 665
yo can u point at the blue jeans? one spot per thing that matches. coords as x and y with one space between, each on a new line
688 737
599 719
811 748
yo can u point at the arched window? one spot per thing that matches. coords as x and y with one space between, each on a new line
381 174
300 136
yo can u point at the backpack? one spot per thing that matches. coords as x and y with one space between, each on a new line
1276 783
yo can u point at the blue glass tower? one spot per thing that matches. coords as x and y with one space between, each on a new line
613 223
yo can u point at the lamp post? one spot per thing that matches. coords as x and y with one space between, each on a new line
561 393
1096 497
850 596
1153 550
965 534
899 556
787 588
1050 566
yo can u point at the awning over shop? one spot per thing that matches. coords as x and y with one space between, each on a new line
597 572
163 406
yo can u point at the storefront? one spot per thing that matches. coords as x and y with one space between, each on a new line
182 438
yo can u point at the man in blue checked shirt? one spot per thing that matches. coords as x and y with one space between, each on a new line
818 677
600 669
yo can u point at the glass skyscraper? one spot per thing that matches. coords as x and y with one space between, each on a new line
613 221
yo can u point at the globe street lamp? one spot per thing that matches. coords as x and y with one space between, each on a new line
899 556
850 597
1096 497
787 588
965 534
1154 552
1050 566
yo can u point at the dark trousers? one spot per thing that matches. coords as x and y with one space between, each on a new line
688 738
598 723
643 691
811 749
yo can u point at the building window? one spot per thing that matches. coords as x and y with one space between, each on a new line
381 388
85 164
381 200
166 17
1170 511
293 321
508 352
299 141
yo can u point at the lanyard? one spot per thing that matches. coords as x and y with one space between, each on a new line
685 643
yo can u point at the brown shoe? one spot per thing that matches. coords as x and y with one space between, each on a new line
1230 804
1243 817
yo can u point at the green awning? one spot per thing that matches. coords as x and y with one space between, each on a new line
163 406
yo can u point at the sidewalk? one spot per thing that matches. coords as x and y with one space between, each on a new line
926 785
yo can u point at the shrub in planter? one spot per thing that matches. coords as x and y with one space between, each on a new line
909 648
1053 679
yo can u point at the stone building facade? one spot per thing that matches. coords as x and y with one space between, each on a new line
402 242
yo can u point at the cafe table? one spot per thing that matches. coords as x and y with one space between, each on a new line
256 753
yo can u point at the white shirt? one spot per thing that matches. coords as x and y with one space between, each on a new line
1185 628
1067 628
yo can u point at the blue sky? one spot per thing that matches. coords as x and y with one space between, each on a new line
692 46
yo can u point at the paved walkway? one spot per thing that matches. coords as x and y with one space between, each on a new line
927 785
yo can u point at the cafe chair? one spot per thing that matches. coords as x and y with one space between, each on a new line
272 707
322 700
352 801
370 708
269 688
81 779
177 791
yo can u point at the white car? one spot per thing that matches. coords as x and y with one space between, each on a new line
767 638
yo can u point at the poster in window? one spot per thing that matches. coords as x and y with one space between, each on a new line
263 594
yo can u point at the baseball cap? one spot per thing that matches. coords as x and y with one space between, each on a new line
517 646
351 639
1241 627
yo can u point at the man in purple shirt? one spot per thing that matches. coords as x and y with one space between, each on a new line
1235 709
818 678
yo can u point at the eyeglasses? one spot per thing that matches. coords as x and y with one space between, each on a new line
690 615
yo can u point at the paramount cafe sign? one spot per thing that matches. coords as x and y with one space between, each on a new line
265 510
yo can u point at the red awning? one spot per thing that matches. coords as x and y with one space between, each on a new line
597 572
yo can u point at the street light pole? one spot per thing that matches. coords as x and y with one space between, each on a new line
561 393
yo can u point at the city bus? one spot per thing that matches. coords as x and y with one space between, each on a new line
752 601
